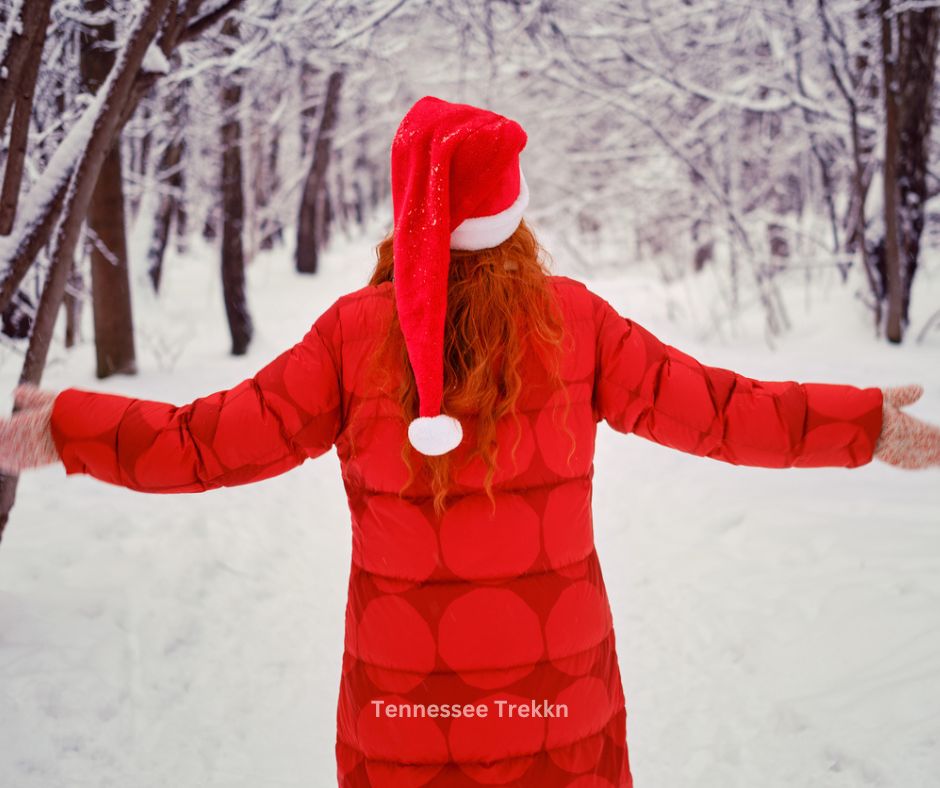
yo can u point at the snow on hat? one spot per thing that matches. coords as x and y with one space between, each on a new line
456 184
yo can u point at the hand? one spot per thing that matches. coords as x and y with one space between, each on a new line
25 437
905 441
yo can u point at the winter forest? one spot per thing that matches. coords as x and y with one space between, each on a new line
187 184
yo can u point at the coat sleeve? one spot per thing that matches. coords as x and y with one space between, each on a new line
288 411
646 387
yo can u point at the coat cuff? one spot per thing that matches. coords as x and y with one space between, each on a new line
63 408
84 427
843 424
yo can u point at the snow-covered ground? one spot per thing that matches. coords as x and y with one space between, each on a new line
775 628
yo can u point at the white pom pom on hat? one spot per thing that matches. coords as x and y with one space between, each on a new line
435 435
456 184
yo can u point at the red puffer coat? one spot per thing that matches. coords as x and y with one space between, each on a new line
479 647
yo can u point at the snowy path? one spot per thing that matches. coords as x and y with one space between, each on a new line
775 628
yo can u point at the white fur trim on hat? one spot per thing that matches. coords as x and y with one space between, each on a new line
484 232
434 435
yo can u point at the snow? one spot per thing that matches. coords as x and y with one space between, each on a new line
36 201
155 61
14 27
776 628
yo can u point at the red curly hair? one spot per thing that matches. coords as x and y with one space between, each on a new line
499 304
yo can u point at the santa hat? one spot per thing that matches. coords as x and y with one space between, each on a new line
456 184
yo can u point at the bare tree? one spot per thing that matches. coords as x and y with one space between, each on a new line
21 67
909 54
233 207
171 208
111 292
313 220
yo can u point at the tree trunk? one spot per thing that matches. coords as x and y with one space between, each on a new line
270 229
73 307
920 31
909 50
233 211
314 209
308 105
170 174
182 219
163 220
18 90
144 148
110 282
703 243
894 329
863 101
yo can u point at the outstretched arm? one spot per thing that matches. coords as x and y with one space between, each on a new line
651 389
287 412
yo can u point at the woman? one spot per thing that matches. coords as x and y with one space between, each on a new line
462 389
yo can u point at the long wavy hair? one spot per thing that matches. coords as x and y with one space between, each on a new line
500 304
